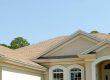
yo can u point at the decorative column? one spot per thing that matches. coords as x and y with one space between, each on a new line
46 75
88 71
88 59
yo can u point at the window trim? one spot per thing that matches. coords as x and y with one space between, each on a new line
57 67
76 66
66 71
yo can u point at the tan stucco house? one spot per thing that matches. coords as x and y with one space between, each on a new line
80 56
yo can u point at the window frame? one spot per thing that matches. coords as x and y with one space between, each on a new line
57 67
56 73
75 72
76 66
66 71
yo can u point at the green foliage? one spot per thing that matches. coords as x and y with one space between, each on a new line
94 32
18 43
5 45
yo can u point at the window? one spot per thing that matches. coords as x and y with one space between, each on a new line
75 74
107 66
58 74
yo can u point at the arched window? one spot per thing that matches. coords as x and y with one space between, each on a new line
58 74
75 74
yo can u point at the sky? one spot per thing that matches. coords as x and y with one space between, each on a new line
38 20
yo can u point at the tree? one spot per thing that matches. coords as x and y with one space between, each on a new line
93 32
18 43
5 45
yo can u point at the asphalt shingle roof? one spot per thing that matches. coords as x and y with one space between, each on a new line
25 54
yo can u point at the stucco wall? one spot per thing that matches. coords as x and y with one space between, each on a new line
104 52
73 47
13 74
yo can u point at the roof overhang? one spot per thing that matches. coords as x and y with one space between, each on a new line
94 48
7 60
86 57
68 39
57 60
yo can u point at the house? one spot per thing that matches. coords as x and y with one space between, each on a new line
80 56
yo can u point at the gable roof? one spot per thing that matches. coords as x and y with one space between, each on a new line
25 55
68 39
96 46
36 50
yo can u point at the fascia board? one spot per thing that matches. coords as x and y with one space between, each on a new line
13 61
67 39
95 47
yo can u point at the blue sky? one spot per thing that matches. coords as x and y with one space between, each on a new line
37 20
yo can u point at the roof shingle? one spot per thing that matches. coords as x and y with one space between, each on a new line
25 54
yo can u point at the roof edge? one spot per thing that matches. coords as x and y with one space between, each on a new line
4 58
67 39
96 46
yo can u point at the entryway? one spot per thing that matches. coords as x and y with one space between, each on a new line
101 68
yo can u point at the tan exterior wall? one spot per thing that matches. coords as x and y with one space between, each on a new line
73 47
103 52
86 65
66 66
99 71
88 71
46 76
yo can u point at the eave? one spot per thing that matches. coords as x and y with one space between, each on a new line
6 60
53 48
88 57
57 60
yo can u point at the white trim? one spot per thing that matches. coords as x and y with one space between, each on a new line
95 63
66 40
96 46
76 66
66 71
103 47
56 67
70 41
